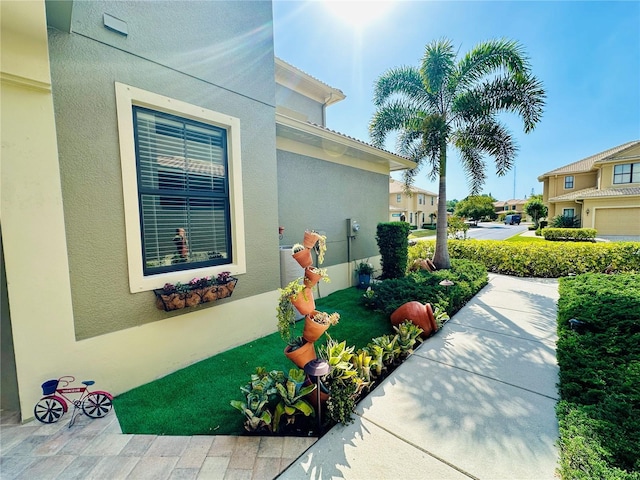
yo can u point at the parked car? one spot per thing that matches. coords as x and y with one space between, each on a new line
512 219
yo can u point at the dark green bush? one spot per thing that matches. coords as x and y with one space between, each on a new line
570 234
540 259
468 278
393 242
562 221
599 376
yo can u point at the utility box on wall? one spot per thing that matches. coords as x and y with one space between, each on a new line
289 268
352 228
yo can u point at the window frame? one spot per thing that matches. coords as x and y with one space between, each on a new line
572 182
398 197
126 98
630 174
565 210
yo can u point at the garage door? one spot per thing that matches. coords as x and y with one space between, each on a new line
618 221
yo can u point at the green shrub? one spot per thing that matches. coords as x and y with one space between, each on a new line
540 259
599 415
392 238
468 278
571 234
563 221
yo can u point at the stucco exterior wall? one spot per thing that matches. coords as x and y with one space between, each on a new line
62 225
309 109
580 182
321 195
219 64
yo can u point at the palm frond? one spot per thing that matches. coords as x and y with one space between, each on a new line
438 64
472 163
492 138
492 57
405 81
395 115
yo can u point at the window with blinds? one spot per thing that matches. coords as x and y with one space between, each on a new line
183 192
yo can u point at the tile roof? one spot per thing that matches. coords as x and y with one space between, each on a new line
357 140
398 187
587 164
308 75
593 192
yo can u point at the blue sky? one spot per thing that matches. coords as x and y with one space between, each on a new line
587 55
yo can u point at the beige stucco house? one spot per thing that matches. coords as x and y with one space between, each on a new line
122 122
418 208
515 205
603 190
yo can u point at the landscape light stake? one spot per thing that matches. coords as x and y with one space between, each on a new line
317 368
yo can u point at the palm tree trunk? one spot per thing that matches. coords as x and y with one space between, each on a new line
441 257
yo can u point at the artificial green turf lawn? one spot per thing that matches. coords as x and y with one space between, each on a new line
195 400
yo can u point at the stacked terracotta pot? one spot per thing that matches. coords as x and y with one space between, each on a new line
305 303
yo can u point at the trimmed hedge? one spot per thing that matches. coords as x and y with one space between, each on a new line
421 286
540 259
599 412
570 234
392 238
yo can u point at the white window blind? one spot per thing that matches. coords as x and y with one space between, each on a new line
183 192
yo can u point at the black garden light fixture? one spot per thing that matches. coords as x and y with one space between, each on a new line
317 368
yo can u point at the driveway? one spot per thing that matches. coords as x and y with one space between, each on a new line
495 231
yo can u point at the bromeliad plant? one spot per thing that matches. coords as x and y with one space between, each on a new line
292 402
271 397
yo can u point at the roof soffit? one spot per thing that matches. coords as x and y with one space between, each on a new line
336 144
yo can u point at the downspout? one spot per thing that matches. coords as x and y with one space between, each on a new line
581 203
324 109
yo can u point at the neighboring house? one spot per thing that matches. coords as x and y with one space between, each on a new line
128 125
603 190
515 205
418 208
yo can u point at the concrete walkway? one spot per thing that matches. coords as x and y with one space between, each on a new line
475 401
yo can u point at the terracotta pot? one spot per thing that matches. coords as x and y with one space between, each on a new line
303 257
302 355
310 278
304 305
312 330
417 313
310 239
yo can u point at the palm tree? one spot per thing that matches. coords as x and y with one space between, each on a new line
449 101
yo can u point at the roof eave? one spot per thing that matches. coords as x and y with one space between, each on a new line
304 84
395 162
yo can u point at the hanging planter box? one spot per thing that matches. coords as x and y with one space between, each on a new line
194 295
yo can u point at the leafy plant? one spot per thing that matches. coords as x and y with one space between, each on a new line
363 268
342 380
392 238
291 400
440 315
285 312
540 259
407 335
457 228
599 415
570 234
565 221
